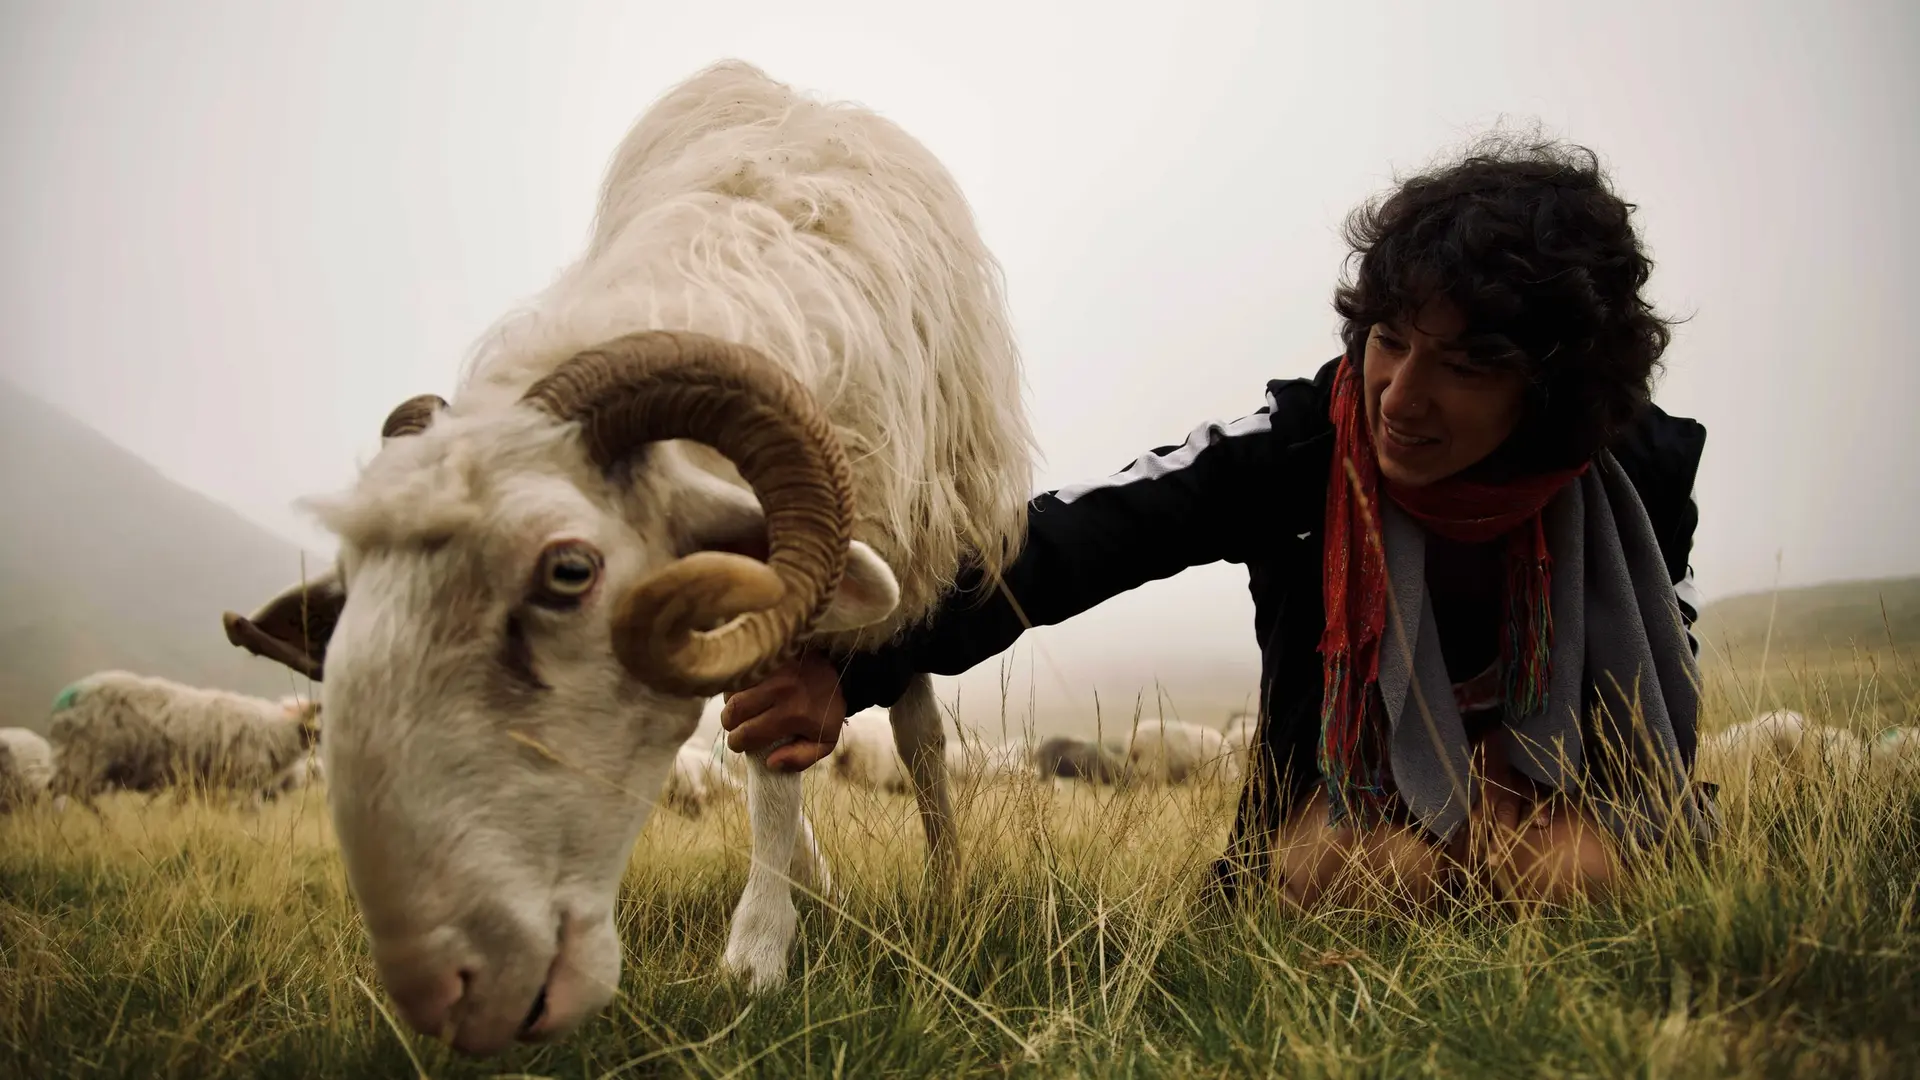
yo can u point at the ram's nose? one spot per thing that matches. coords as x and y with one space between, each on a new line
427 982
478 1000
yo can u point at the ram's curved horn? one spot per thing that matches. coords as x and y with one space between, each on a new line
658 385
412 416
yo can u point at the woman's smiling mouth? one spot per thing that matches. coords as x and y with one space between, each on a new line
1406 439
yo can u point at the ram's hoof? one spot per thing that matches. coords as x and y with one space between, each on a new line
757 944
761 974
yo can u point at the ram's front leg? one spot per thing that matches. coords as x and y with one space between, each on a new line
764 920
810 869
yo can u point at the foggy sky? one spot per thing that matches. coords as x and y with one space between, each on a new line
235 234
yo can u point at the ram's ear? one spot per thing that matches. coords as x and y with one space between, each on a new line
720 517
294 627
868 592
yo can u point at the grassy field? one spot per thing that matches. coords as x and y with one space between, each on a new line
189 941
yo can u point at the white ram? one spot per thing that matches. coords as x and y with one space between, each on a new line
116 729
540 583
26 768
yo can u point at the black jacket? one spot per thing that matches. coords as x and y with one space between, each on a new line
1252 492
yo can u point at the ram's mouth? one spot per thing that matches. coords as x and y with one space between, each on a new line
534 1015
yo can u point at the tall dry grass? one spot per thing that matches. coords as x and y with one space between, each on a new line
191 941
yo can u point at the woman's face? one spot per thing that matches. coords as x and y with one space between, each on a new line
1433 412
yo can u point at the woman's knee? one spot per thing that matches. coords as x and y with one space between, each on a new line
1402 862
1322 864
1559 856
1311 854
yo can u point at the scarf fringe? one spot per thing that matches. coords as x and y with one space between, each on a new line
1353 777
1526 638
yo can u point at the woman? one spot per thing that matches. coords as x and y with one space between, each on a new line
1466 540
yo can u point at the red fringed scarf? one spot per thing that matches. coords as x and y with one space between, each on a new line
1352 721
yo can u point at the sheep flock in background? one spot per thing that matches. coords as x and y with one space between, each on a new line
147 734
118 730
1153 752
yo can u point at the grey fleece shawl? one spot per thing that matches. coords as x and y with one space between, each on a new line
1618 637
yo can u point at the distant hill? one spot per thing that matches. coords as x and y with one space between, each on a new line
1846 653
1869 614
106 563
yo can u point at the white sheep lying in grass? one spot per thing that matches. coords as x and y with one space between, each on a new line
866 757
978 761
697 781
1894 752
306 771
1068 757
1787 742
1238 733
26 768
1898 747
116 729
776 402
1175 752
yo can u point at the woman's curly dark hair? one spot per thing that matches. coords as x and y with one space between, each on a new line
1527 238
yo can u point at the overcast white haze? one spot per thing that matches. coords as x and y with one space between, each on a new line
236 234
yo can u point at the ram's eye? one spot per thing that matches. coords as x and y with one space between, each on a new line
568 571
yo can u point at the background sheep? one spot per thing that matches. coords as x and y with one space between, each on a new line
1173 752
26 768
978 761
698 779
1238 732
1781 739
307 770
1895 751
116 729
777 401
1071 758
866 756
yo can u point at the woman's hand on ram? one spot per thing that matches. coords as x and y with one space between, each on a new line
794 714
